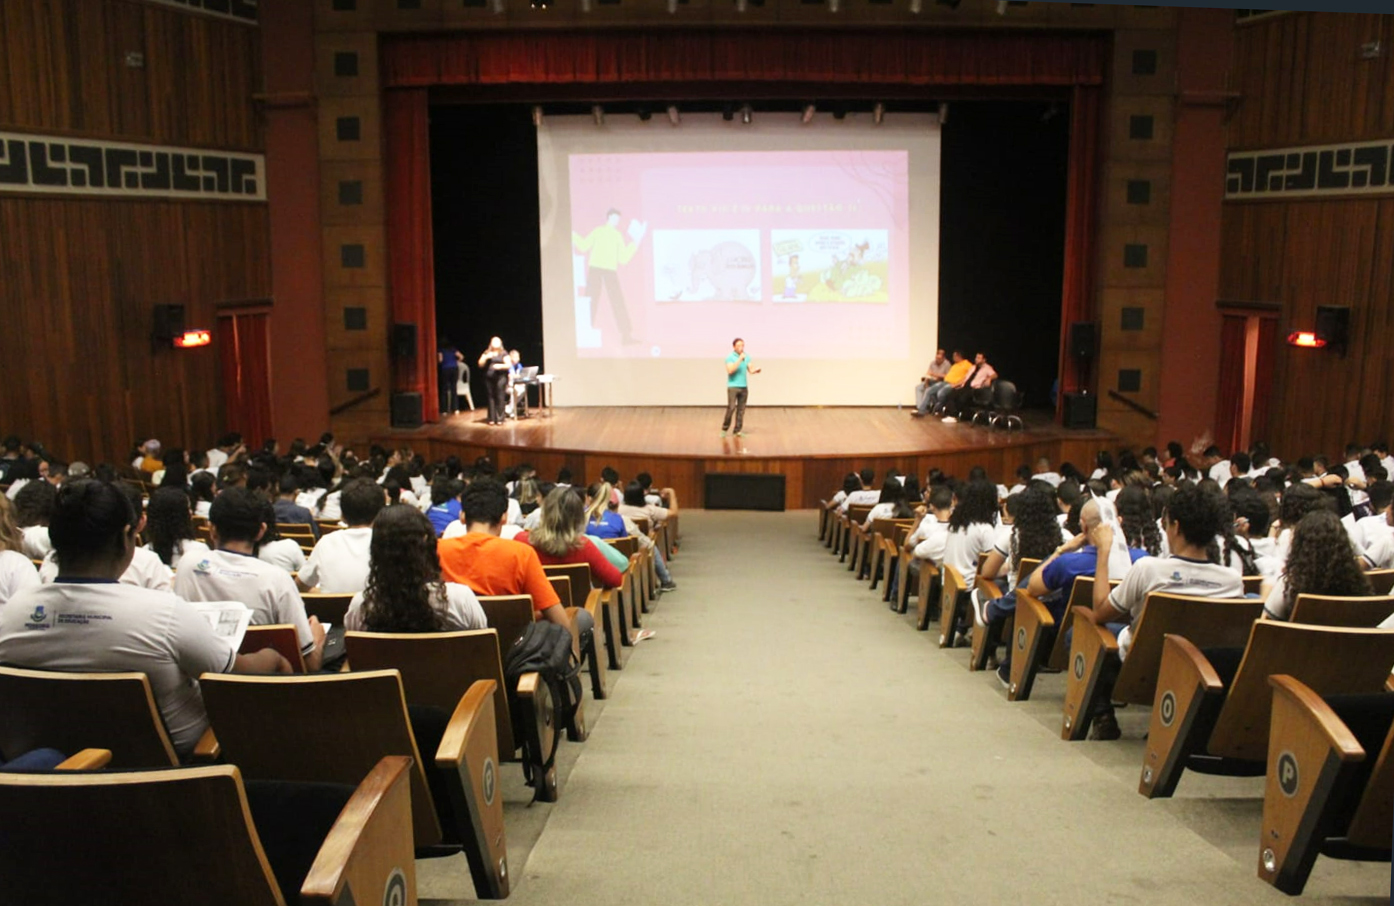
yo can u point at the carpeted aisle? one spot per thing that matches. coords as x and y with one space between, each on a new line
786 739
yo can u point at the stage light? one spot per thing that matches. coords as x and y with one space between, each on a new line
915 7
878 113
536 4
672 7
537 116
832 6
191 339
498 7
740 6
943 112
598 112
673 116
1001 7
746 115
585 6
1306 339
808 111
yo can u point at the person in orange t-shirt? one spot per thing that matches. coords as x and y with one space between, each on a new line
491 565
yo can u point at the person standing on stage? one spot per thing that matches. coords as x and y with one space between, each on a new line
449 359
737 371
495 363
607 252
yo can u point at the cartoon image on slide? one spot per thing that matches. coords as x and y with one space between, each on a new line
831 265
702 265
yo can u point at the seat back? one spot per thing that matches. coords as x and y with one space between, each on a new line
1329 660
628 545
1204 622
644 525
330 608
175 835
74 711
281 637
509 616
1081 595
858 513
1327 610
438 667
1381 580
330 728
562 586
1005 396
885 528
580 576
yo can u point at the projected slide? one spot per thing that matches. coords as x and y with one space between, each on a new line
800 252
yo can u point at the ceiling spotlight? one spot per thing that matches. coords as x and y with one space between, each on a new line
943 112
915 7
498 7
808 111
585 6
598 112
672 6
728 112
1001 7
878 113
832 5
537 116
746 115
740 6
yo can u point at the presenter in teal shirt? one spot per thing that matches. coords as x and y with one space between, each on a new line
738 371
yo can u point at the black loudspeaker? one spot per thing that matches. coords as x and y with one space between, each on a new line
1333 326
1081 410
168 322
725 491
403 341
1084 339
406 410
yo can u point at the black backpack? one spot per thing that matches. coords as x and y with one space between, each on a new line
545 648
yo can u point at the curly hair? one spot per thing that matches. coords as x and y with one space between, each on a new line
977 502
1135 514
168 522
1200 514
1321 560
35 503
403 573
1035 531
1298 501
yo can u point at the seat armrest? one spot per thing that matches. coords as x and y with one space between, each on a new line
207 749
370 847
86 760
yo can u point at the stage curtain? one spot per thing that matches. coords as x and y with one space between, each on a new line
244 359
1229 417
1263 377
410 255
845 57
1081 216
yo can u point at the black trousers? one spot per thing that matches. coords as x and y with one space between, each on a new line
497 383
448 401
735 405
598 278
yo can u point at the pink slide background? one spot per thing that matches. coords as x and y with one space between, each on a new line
804 190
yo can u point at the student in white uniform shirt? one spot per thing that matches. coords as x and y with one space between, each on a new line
33 509
169 526
972 528
339 562
1321 561
88 622
272 548
866 495
16 570
231 572
1377 531
146 569
404 592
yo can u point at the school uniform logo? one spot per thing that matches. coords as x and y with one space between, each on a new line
39 618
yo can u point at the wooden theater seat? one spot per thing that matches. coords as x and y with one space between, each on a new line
986 639
1324 610
330 608
1216 721
281 637
927 592
187 836
891 557
1381 580
606 607
1037 641
633 590
874 548
1330 781
953 602
332 728
1206 622
855 515
72 711
437 668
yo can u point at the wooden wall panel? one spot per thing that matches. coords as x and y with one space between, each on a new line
64 70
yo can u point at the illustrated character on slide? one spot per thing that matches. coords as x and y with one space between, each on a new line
608 250
791 282
728 267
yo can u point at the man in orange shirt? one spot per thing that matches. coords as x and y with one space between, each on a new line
491 565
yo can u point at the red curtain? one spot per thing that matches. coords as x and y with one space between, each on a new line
244 358
1081 217
1229 415
846 57
1263 376
410 253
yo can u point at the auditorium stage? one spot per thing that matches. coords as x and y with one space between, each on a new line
813 447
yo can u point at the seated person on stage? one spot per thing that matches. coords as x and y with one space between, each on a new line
491 565
982 375
933 377
939 393
404 592
517 391
339 562
866 495
1193 518
1321 561
231 572
127 628
560 537
146 569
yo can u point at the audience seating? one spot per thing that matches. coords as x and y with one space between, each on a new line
327 728
953 602
1034 629
1211 711
929 590
279 636
1381 580
890 556
189 836
72 711
606 609
1206 622
330 608
1323 610
987 639
1330 780
437 668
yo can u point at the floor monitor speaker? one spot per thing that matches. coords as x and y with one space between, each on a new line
406 410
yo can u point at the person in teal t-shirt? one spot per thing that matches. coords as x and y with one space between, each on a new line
738 371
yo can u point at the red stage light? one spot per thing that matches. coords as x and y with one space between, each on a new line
192 338
1306 339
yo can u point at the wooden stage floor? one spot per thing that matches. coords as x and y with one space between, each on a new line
812 447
